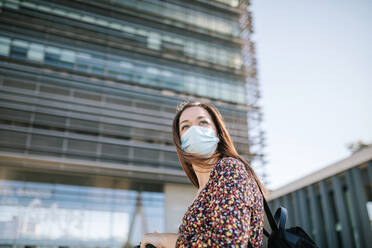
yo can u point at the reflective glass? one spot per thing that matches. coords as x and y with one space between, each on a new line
144 36
35 213
4 46
141 72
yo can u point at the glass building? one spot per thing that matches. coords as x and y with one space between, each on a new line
334 204
88 94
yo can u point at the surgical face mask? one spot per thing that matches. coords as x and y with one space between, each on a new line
199 139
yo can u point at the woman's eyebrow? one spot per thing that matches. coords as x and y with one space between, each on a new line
200 117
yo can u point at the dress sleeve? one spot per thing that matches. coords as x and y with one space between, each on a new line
230 219
231 200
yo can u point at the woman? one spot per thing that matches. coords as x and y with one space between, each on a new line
227 210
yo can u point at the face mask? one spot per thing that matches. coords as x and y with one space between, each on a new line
199 139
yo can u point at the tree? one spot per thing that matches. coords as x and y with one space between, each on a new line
357 146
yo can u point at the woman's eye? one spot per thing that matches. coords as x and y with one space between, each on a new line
206 122
184 127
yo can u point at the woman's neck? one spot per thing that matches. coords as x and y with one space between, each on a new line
202 174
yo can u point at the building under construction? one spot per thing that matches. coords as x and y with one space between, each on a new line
88 93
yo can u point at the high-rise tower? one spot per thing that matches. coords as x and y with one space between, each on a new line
88 93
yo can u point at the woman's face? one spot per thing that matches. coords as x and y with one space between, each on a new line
195 116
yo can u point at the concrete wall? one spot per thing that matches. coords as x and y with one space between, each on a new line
178 197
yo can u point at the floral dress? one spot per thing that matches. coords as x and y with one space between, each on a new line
228 212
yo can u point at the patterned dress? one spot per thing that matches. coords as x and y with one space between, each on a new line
228 212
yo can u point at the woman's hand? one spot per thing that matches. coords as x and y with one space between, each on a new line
159 240
151 238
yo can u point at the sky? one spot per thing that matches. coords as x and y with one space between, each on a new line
314 61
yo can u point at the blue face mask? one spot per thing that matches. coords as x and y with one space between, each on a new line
199 139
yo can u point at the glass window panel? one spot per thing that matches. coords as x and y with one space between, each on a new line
115 150
44 8
241 97
179 15
166 73
60 12
166 11
126 64
18 52
49 119
112 128
78 146
170 156
83 65
53 50
190 84
28 4
236 29
88 19
36 52
201 52
126 75
142 32
189 48
177 41
113 70
52 59
68 56
17 115
103 22
12 4
20 43
225 27
147 154
234 3
128 29
4 46
115 25
203 20
98 68
85 56
45 142
202 90
54 90
154 41
237 61
74 15
219 27
167 38
152 70
83 216
210 23
87 96
12 138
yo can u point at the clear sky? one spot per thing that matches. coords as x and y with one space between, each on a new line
314 68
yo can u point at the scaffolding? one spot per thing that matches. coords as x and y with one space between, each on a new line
256 134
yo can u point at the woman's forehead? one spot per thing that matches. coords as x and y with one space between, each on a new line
193 113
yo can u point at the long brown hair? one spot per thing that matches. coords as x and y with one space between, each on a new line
225 147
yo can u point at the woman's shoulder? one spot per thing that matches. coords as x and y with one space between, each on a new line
232 172
230 164
230 159
228 168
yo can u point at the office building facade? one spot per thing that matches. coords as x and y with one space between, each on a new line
334 204
88 93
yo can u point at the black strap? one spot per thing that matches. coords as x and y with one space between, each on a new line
267 234
272 222
280 217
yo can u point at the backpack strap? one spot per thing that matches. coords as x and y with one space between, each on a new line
269 215
280 217
270 218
